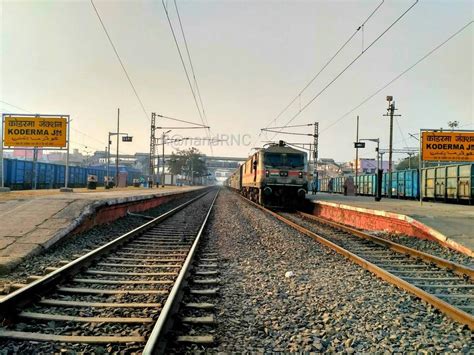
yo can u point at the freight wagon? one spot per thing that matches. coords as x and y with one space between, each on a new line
450 183
18 175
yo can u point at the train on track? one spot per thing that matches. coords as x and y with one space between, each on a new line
274 176
447 183
19 174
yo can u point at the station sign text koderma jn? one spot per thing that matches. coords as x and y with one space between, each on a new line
448 146
35 131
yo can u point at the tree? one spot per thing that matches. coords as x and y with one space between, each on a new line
184 160
408 163
413 163
453 124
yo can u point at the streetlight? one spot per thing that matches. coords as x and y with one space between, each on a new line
125 138
163 154
379 180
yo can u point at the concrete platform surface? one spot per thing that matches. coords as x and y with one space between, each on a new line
33 220
452 222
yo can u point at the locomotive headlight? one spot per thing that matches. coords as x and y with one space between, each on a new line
267 173
300 174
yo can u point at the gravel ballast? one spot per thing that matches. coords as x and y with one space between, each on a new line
79 244
185 222
282 291
429 247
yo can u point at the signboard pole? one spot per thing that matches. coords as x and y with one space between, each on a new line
66 177
34 175
1 156
2 180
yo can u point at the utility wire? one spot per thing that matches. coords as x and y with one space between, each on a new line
399 75
191 63
205 122
182 62
349 65
9 104
120 61
401 132
179 120
298 96
293 133
294 126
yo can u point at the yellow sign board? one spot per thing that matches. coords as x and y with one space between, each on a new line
40 131
448 146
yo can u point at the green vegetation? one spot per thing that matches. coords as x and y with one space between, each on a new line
184 160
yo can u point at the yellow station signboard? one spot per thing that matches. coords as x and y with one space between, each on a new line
40 131
447 146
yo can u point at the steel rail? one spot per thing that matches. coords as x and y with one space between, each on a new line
33 291
448 309
157 339
458 269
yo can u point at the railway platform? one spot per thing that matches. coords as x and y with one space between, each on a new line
449 224
34 220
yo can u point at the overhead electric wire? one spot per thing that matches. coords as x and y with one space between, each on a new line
162 127
179 120
182 62
204 121
401 132
293 133
399 75
294 126
324 66
120 60
191 64
348 66
9 104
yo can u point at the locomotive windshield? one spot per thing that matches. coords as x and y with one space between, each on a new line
284 160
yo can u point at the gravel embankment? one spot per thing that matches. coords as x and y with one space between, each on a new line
429 247
330 304
80 244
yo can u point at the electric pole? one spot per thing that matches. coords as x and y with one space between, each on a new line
390 113
163 155
151 172
315 151
117 158
357 157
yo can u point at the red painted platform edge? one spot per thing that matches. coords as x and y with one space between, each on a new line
110 211
379 220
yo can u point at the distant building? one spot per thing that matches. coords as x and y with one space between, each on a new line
328 168
26 154
75 157
368 166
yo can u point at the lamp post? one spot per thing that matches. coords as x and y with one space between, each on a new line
390 113
378 187
163 155
125 138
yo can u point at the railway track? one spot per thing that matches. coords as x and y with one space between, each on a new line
445 285
121 294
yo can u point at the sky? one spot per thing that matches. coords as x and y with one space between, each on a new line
251 58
